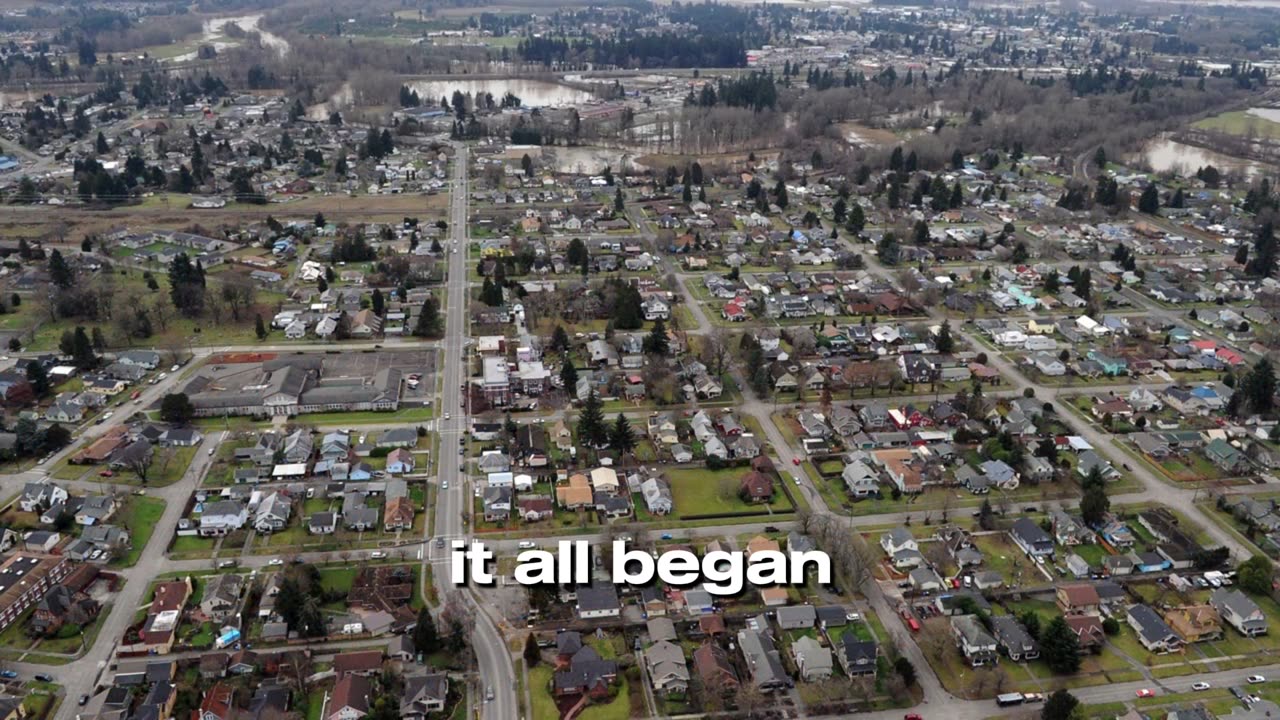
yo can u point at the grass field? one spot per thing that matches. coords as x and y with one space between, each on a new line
140 516
1240 122
702 492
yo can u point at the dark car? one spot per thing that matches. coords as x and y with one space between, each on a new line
42 677
1237 692
84 700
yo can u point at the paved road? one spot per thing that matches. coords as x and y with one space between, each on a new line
492 656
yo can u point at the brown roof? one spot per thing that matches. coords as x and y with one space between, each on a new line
170 596
351 691
357 662
217 700
713 666
711 624
757 485
1087 627
1079 594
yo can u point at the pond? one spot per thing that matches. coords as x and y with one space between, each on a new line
1165 155
532 93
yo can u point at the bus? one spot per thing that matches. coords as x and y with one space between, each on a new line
1009 699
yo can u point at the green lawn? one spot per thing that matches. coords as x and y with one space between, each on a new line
338 580
1240 122
703 492
140 516
409 414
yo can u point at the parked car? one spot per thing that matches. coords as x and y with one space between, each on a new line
526 544
1257 679
275 561
1146 693
43 677
8 674
1200 686
377 554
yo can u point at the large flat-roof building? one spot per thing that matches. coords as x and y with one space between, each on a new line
290 386
24 579
497 381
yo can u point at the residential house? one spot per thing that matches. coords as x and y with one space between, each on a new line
1241 612
1154 634
975 643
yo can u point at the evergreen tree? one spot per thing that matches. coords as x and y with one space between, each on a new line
945 342
428 323
592 429
532 655
426 639
491 293
657 343
1263 263
621 436
59 271
82 354
569 376
617 199
259 327
39 378
559 339
1149 201
1060 647
628 313
1259 387
1094 505
1061 705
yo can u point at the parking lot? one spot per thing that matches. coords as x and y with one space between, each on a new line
366 363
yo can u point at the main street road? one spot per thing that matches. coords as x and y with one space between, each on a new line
491 651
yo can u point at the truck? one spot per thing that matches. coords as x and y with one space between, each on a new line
228 638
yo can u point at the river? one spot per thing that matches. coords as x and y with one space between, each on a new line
532 93
214 33
1166 155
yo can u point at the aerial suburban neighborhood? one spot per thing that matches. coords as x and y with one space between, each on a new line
298 299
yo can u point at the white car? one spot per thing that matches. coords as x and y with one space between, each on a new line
444 484
1257 679
446 416
526 544
275 561
377 554
854 617
1200 686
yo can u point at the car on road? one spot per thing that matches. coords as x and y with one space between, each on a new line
444 484
795 461
377 554
84 700
439 542
43 677
666 536
1146 692
275 561
43 460
1257 679
8 674
211 451
1032 697
227 564
446 416
526 544
796 478
488 692
1200 686
912 716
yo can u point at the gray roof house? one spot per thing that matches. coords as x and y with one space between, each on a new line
1239 611
812 659
763 661
1153 632
977 645
1029 536
1013 639
668 671
857 657
796 617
